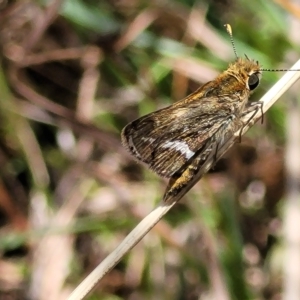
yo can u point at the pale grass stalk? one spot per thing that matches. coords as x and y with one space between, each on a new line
157 214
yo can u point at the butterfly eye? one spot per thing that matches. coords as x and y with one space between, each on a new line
253 81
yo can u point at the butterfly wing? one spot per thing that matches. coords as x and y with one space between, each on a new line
169 139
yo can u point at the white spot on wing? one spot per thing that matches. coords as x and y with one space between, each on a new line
182 147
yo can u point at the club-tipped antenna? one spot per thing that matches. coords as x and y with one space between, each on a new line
229 31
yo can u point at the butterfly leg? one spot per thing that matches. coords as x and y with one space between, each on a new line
254 107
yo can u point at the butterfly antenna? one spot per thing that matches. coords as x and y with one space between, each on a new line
279 70
229 31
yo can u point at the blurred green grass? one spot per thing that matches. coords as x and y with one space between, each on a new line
173 262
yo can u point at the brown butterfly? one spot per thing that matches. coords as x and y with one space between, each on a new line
176 141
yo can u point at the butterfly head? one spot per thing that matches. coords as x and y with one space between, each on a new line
246 71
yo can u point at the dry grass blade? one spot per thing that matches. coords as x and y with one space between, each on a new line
156 215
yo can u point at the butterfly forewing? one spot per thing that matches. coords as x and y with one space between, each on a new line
168 140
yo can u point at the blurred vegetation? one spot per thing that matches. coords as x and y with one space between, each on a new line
73 74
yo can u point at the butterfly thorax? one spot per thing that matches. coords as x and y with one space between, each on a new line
234 81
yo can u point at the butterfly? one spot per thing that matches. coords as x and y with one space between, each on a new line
177 141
